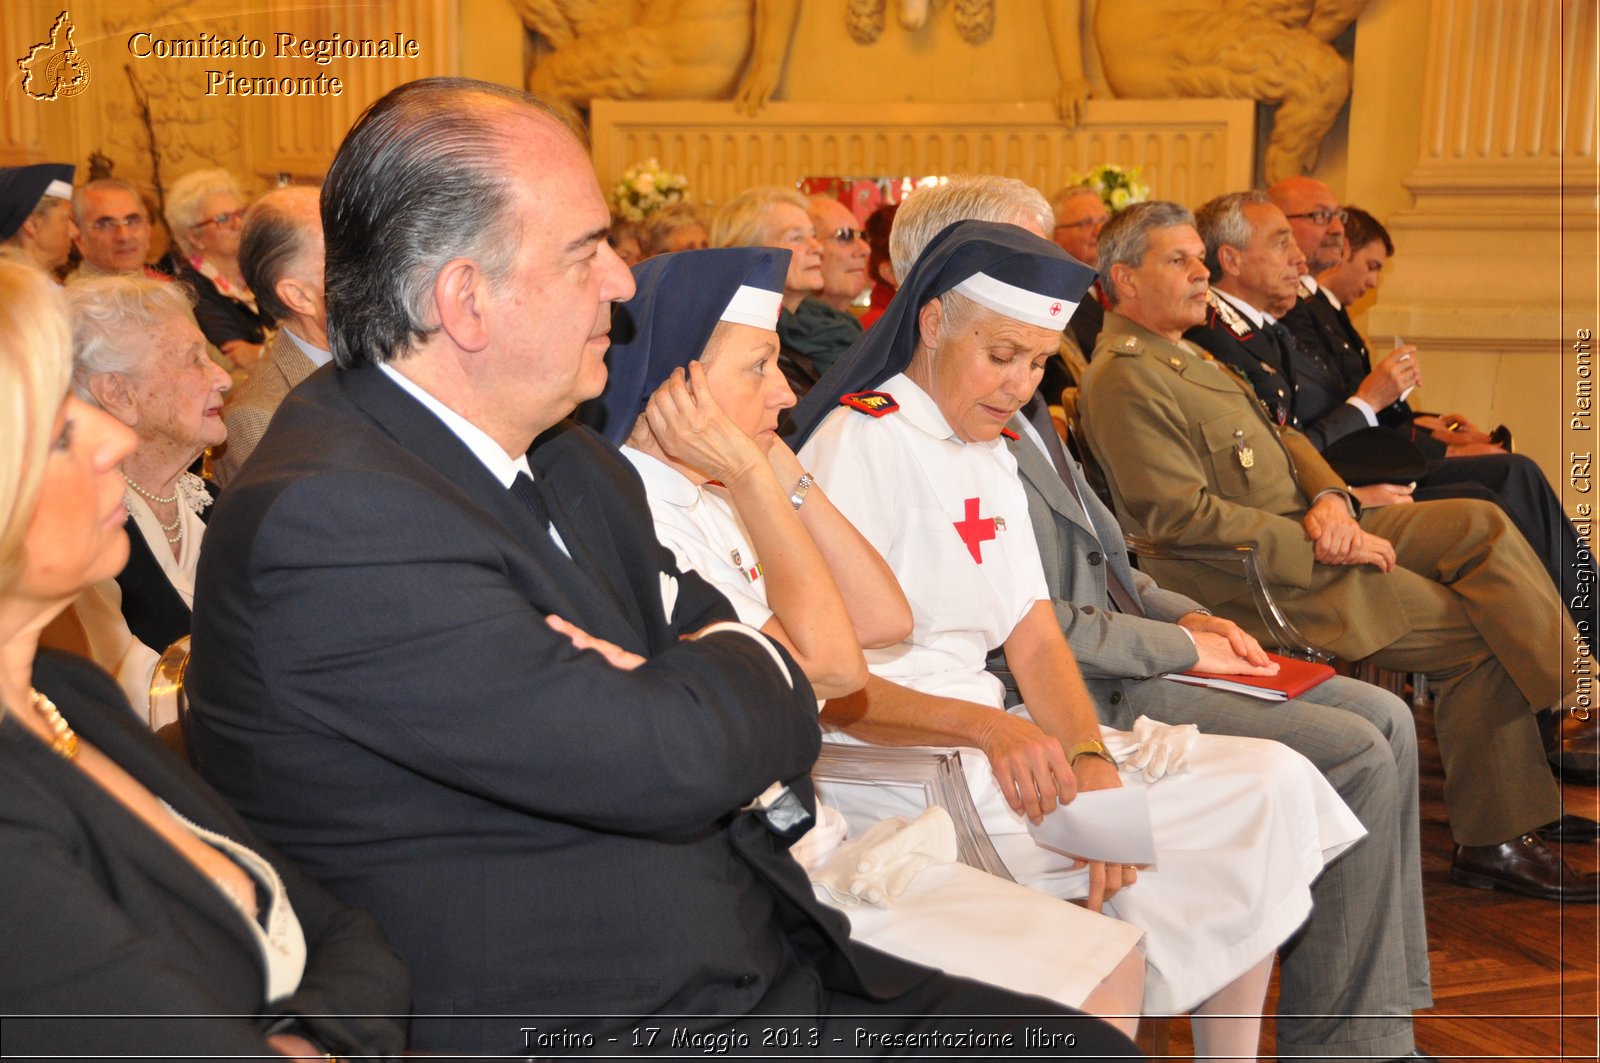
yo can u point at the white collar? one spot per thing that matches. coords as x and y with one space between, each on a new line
1259 318
662 481
1310 282
920 411
500 464
1327 293
318 356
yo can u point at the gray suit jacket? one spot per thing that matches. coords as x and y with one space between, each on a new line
250 409
1113 648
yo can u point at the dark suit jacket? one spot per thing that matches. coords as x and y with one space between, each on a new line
539 832
1335 362
155 612
99 915
1231 338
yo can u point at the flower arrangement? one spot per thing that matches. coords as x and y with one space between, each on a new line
645 188
1117 186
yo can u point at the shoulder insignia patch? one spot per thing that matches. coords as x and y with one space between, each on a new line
1009 434
874 403
1129 345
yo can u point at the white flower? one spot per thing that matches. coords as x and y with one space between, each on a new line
645 183
1119 198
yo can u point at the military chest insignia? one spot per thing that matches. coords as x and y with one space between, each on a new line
1176 363
1245 454
875 403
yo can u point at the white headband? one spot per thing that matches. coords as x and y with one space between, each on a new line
754 306
1019 303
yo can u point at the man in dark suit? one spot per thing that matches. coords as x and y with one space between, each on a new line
442 659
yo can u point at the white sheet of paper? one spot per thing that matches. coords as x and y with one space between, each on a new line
1398 343
1110 825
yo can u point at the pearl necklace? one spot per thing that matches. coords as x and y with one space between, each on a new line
63 739
152 496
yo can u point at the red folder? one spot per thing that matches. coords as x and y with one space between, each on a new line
1294 678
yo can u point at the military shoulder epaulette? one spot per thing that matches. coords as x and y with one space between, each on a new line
875 403
1228 315
1128 345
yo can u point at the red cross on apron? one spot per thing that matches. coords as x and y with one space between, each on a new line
975 531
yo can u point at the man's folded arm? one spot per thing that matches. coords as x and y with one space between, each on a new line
442 665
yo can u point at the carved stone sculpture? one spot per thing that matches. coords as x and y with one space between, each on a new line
1274 51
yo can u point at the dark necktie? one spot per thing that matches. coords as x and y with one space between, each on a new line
1038 415
529 495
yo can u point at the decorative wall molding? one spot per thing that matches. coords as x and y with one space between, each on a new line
1190 150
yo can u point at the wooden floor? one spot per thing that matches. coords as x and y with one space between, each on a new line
1513 978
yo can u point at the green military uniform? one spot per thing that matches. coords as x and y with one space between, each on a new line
1192 459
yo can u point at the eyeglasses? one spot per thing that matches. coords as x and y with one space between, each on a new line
847 235
233 217
109 224
1322 216
1084 223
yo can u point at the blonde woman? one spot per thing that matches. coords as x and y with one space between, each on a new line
138 914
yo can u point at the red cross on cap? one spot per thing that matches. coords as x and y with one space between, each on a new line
1055 308
975 530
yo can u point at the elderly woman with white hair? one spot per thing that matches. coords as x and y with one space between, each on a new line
778 217
205 212
139 356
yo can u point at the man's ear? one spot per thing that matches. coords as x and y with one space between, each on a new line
928 320
1122 279
115 396
1228 259
463 296
294 294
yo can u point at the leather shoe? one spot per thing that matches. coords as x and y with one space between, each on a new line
1572 744
1570 828
1524 865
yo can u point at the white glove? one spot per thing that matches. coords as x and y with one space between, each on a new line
1160 748
878 867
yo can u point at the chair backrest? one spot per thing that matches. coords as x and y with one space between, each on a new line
168 700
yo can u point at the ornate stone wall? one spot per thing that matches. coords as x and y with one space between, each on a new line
1190 149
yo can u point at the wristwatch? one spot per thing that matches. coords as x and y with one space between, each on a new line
797 497
1092 748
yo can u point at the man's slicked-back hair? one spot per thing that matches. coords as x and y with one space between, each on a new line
965 197
1126 237
274 240
420 180
1221 222
1361 228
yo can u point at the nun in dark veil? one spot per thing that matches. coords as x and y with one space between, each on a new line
905 433
696 351
694 393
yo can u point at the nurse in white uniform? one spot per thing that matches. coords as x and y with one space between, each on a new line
732 501
917 463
